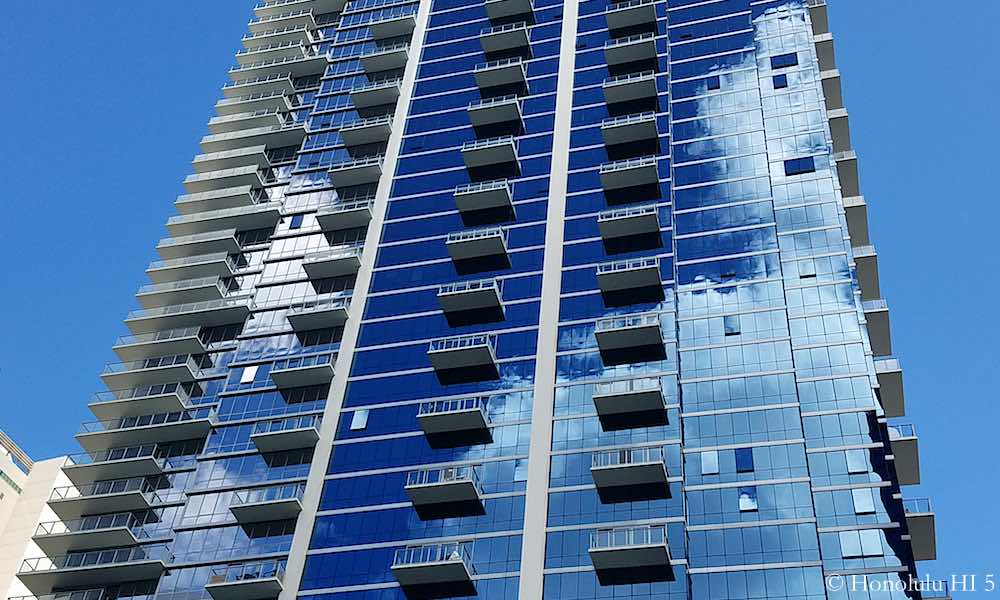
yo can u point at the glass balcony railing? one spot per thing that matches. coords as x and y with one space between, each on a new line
432 553
905 430
104 488
148 420
628 322
630 78
91 594
624 457
157 362
248 571
470 286
917 505
319 304
364 123
145 391
500 64
521 25
485 186
461 342
627 265
628 163
172 263
287 424
385 83
96 558
177 309
468 235
271 493
629 39
625 537
488 143
112 455
618 6
258 80
281 16
290 30
627 386
443 476
301 362
96 523
438 407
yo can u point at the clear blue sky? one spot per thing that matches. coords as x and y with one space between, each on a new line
105 102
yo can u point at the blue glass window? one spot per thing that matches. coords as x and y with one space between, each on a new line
296 222
780 81
784 60
798 166
713 83
731 323
744 460
748 499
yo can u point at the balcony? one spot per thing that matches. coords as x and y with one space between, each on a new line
477 243
489 152
277 83
96 568
637 549
628 14
877 318
484 195
117 496
377 93
857 220
462 352
276 100
345 215
103 531
920 523
290 433
243 196
393 26
480 294
260 580
217 264
501 9
630 396
825 52
628 221
254 156
156 295
257 216
633 86
318 313
298 65
156 428
628 49
820 24
289 133
628 467
433 564
298 371
206 314
113 463
504 38
150 371
227 178
187 246
267 503
628 274
629 128
502 109
358 171
840 129
630 172
507 71
437 417
270 7
906 453
629 331
385 58
890 386
250 120
185 340
134 402
335 262
366 131
830 80
289 18
450 485
290 49
866 262
278 35
847 173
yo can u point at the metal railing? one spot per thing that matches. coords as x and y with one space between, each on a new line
302 362
165 335
257 80
617 6
306 12
444 475
271 493
628 163
630 264
248 571
628 386
103 488
462 342
469 286
499 64
272 47
334 254
146 391
887 365
629 78
624 457
497 101
625 537
468 235
194 238
96 558
357 163
277 31
484 186
385 83
493 142
520 25
156 362
628 321
95 523
225 212
369 122
287 424
184 284
629 39
178 309
385 49
171 263
429 554
874 305
642 117
439 407
136 422
113 455
272 62
905 430
319 304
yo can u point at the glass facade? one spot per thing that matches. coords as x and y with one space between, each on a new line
507 299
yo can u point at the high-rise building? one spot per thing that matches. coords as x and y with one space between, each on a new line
25 488
508 299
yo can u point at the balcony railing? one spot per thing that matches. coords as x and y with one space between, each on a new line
450 562
103 488
248 571
625 457
96 558
270 493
